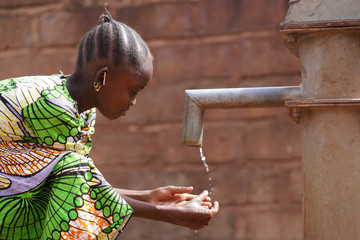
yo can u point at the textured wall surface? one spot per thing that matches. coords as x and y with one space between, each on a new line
253 154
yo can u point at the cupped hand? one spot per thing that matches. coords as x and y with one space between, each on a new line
194 213
174 196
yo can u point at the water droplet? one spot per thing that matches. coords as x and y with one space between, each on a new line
207 169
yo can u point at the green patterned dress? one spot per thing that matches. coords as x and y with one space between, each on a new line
49 187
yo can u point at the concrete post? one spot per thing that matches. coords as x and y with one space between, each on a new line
326 36
331 137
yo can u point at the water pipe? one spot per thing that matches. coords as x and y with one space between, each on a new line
197 101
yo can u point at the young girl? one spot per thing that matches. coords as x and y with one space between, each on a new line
49 187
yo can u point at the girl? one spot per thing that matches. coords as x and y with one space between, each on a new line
49 187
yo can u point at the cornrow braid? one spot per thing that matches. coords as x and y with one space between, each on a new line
103 39
114 41
118 54
89 43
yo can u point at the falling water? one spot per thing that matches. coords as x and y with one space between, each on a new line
211 189
203 159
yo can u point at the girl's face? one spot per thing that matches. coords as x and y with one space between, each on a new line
121 88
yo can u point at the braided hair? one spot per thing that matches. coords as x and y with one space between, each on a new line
112 40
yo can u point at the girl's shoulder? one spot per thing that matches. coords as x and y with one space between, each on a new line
37 81
31 86
29 89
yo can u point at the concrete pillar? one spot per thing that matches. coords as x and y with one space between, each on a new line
326 36
331 137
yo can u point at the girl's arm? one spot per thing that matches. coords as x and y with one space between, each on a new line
140 195
161 195
192 214
172 205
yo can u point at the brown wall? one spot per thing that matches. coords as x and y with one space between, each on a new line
253 154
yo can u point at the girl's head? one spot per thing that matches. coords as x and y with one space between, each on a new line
116 53
113 42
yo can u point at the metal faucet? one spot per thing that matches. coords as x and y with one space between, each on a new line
197 101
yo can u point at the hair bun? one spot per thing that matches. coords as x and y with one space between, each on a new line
106 18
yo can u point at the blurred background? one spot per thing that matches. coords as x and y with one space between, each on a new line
254 155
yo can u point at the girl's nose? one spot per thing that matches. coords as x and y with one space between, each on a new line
133 102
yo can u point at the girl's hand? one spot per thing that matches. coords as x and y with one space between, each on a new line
173 205
193 213
174 196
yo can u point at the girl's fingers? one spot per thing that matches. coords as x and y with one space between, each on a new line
188 197
215 209
179 190
202 196
206 204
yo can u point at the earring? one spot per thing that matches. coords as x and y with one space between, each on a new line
97 86
104 79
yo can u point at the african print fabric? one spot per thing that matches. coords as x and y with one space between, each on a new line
49 186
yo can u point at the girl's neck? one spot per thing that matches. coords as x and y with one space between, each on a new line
79 90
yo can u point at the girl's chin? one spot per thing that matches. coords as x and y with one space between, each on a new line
123 113
115 116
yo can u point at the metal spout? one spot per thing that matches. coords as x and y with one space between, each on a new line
197 101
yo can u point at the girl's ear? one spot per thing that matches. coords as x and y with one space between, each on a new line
100 78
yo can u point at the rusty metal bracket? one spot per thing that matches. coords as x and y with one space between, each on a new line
294 107
294 113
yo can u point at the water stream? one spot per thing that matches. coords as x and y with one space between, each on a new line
207 170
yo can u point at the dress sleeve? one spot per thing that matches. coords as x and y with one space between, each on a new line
52 121
55 121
